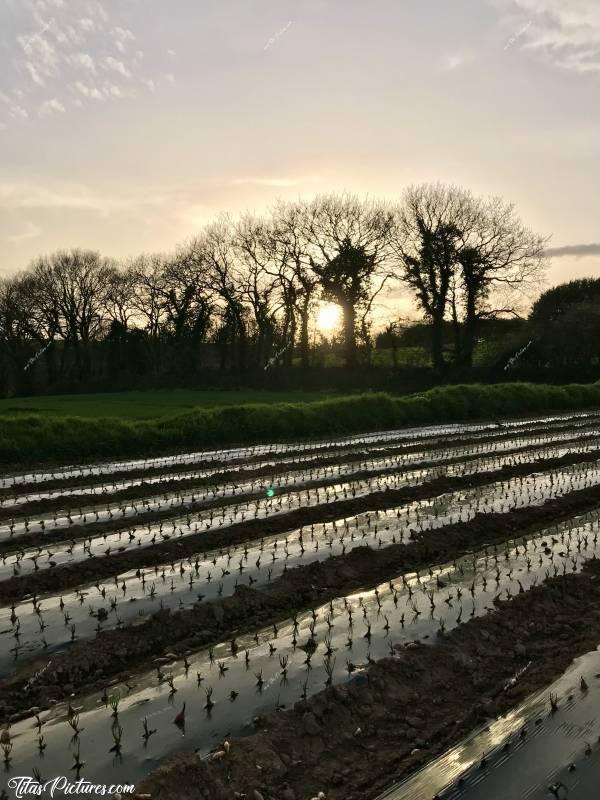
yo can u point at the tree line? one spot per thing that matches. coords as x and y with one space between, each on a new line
248 286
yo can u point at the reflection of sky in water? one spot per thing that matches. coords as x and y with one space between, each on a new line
127 510
531 763
421 608
146 698
406 434
182 583
132 536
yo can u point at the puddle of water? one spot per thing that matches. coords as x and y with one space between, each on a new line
408 434
129 597
347 633
530 754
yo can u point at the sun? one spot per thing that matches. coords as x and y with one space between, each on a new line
328 317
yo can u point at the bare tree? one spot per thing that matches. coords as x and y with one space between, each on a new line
454 251
429 224
173 303
187 299
349 246
119 295
15 331
299 281
498 256
217 248
261 280
74 283
148 301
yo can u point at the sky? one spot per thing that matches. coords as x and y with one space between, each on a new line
125 125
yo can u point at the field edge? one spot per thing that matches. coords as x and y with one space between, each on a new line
28 440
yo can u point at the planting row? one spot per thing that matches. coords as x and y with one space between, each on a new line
200 699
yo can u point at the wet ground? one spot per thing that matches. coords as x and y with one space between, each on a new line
534 752
490 675
256 612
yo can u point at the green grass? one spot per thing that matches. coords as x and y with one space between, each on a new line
152 404
27 438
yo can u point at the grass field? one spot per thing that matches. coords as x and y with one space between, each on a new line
147 405
55 429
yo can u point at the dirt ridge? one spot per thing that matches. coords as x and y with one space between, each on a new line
92 663
352 742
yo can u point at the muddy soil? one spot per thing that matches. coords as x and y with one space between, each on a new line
352 742
444 440
68 576
144 489
85 666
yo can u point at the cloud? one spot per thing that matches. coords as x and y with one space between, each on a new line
51 26
99 10
41 57
121 36
577 250
75 36
26 195
88 90
35 75
112 90
565 33
83 60
274 182
14 109
71 53
18 112
53 106
47 5
455 60
116 66
29 195
31 231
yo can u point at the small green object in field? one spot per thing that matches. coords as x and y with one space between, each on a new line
270 492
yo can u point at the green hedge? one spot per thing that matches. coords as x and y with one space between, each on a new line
31 439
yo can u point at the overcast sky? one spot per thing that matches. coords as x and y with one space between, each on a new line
127 124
